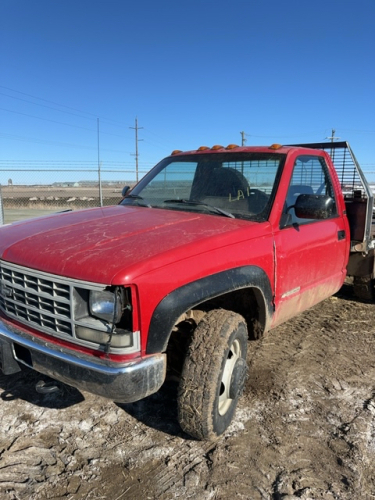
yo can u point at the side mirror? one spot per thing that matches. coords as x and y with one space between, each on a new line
125 190
314 206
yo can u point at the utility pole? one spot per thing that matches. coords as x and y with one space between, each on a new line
136 128
1 209
243 141
99 173
333 138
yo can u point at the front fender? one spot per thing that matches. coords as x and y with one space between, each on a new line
192 294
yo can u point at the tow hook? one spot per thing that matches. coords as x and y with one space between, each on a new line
43 387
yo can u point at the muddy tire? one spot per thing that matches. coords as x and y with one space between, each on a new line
364 288
213 374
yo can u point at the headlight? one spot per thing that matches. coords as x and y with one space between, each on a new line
106 305
121 340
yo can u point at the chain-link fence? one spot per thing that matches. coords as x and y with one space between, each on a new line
1 209
26 193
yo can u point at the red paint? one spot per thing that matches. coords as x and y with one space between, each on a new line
157 251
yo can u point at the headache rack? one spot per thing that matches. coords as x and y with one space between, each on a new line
359 198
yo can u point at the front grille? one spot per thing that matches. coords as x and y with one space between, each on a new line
36 299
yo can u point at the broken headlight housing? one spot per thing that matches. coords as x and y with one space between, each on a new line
110 324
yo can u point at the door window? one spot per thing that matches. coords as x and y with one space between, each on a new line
310 176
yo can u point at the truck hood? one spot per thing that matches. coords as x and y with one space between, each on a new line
95 245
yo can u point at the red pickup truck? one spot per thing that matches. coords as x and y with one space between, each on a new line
212 247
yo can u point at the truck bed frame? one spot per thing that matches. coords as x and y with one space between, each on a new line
359 198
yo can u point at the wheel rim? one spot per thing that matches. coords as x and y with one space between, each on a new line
234 354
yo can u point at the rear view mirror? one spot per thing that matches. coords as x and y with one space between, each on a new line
314 206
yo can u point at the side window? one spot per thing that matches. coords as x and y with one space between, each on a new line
310 176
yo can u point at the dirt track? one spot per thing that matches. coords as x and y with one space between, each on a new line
304 428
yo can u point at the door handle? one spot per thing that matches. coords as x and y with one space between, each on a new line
341 235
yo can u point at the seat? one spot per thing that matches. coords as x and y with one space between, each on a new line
225 182
225 188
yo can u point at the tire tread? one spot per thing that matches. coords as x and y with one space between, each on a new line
199 375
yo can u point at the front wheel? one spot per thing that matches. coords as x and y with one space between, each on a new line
213 375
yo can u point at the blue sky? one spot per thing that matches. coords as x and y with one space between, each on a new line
194 72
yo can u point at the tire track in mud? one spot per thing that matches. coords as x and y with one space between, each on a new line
184 468
303 429
95 442
318 387
271 422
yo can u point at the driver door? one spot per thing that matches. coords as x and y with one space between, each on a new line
310 254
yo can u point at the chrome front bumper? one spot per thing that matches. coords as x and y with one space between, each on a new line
126 383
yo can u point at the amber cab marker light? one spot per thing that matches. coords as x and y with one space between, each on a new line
203 148
276 146
232 146
217 146
176 151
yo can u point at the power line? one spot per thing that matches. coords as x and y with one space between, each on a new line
147 131
66 162
45 100
92 115
45 119
45 106
56 143
359 131
297 134
70 108
58 122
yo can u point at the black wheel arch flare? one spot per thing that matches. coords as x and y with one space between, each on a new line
192 294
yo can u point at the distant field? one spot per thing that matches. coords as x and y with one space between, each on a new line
24 202
47 192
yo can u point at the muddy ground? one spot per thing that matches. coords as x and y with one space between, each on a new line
304 428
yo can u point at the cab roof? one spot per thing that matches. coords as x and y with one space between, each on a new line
242 149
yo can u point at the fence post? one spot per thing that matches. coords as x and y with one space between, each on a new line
1 209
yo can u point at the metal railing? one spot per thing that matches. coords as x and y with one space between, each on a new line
354 184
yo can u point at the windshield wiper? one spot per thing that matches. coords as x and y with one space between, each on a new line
200 203
138 198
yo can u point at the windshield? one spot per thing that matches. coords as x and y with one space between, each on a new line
238 185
